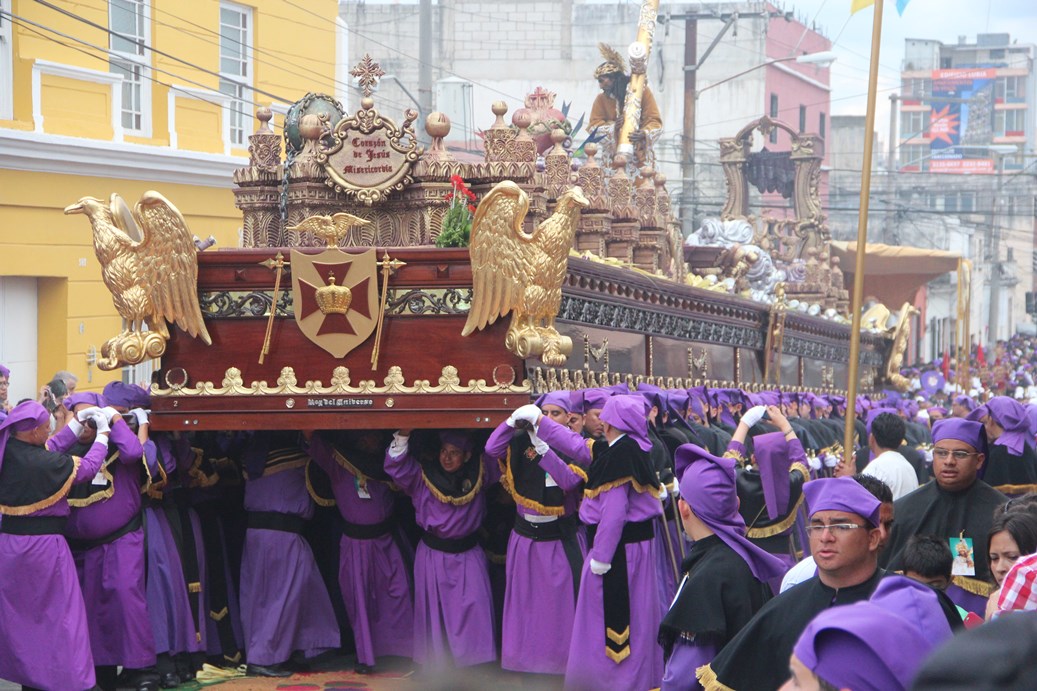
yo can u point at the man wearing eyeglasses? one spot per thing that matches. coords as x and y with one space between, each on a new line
845 538
958 506
5 381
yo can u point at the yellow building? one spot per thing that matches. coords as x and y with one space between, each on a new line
103 96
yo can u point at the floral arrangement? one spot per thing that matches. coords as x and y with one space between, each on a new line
457 223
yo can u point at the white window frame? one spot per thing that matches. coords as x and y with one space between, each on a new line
6 63
128 61
241 97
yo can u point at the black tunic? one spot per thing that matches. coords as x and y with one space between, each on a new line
1004 468
758 657
930 510
718 596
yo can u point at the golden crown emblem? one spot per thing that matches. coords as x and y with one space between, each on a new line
333 299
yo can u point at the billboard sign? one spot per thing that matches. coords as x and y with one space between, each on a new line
961 120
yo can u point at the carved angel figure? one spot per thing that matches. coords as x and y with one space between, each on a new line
522 273
149 264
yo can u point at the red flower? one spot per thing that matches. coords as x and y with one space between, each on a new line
457 180
470 194
449 196
471 207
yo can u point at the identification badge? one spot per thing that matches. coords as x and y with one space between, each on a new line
361 489
549 481
964 563
99 480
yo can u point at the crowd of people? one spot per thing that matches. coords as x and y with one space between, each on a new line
619 538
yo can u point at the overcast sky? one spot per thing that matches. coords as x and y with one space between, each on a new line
942 20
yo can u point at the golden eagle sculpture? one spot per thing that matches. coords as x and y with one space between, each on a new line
331 229
149 264
522 272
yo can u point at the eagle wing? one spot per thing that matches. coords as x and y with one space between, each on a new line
499 250
169 263
316 225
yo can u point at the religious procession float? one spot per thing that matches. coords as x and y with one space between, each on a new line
340 311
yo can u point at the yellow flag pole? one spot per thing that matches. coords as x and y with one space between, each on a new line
862 238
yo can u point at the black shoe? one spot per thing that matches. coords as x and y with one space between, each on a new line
169 680
360 668
263 671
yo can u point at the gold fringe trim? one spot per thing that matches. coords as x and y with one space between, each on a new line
103 495
801 469
1016 489
317 498
739 458
507 481
195 587
618 638
641 489
155 490
218 616
617 657
974 586
198 477
456 501
708 679
579 471
781 527
49 501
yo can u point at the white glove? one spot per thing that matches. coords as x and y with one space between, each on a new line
831 460
101 438
101 420
539 444
109 413
928 454
815 462
528 412
87 413
141 415
599 569
754 415
510 422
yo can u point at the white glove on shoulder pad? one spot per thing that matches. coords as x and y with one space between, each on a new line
754 415
528 412
598 568
141 415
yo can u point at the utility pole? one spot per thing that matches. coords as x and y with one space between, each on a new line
424 65
892 174
995 259
687 208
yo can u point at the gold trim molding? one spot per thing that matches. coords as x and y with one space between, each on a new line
287 384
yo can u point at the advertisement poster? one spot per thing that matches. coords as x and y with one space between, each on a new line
962 116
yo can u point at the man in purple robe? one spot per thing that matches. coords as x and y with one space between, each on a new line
44 639
545 552
617 616
106 535
373 574
285 607
174 579
725 575
453 605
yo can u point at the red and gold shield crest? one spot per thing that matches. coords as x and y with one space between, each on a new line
335 298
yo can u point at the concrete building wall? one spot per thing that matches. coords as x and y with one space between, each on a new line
60 141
